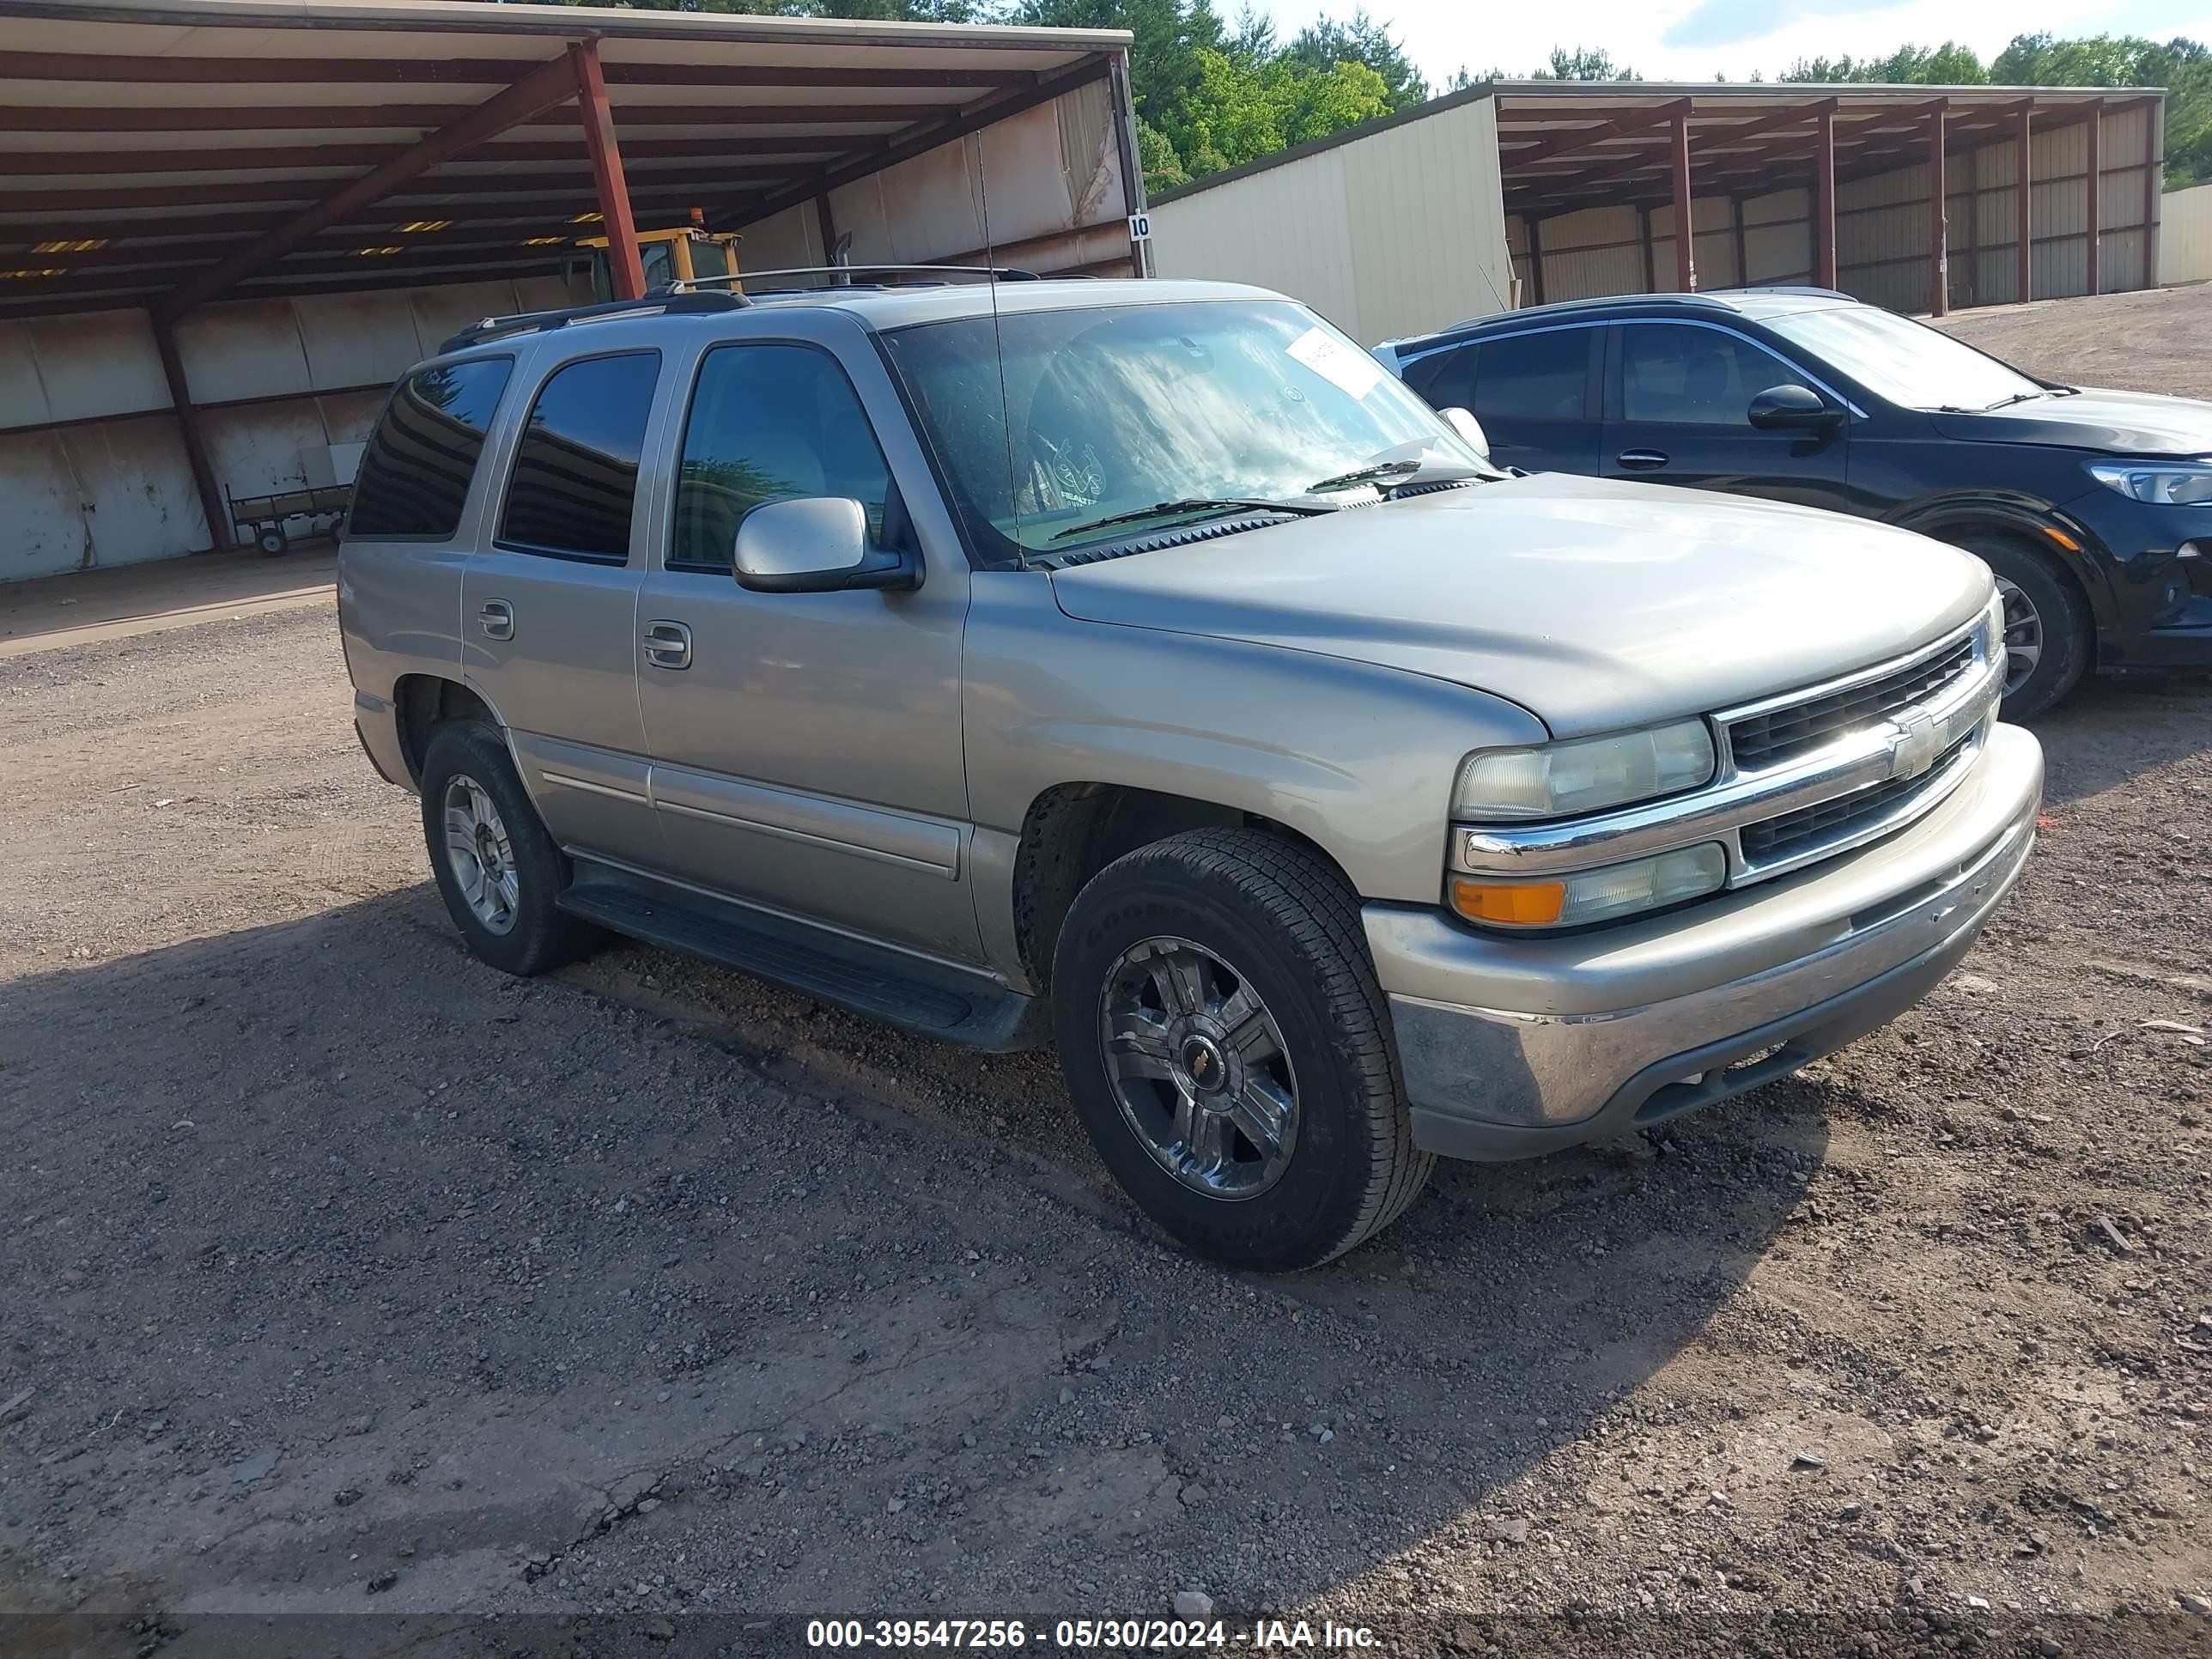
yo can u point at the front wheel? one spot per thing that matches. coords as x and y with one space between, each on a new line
2047 635
1229 1051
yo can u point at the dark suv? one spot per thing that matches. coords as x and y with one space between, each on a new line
2094 508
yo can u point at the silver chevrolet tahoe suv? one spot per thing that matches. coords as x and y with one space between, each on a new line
1135 666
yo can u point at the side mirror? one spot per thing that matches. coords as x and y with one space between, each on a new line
816 545
1469 429
1793 409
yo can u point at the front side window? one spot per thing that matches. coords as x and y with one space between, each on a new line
1538 376
1092 414
575 470
1675 375
768 422
413 476
1907 362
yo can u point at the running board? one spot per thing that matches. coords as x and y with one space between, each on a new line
926 998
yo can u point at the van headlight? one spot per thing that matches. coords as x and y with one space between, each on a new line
1586 774
1588 896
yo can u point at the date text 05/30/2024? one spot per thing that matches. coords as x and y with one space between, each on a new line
1086 1635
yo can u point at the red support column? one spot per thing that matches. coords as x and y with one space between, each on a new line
2096 203
188 425
625 264
2153 180
1686 267
1824 203
1939 244
2023 184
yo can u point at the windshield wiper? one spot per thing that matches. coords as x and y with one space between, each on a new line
2017 398
1400 473
1199 504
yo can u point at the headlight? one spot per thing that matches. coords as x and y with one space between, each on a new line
1588 896
1562 780
2159 486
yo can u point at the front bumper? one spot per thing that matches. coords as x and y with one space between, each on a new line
1512 1048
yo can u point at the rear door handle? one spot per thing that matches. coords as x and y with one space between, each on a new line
497 618
1642 460
668 644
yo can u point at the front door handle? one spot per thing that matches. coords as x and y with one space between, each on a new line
668 644
1642 460
497 618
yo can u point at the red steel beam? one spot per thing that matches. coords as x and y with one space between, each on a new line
269 157
431 191
1824 205
1686 268
2096 214
1567 143
2023 187
2153 177
624 263
550 83
188 425
1939 224
135 69
312 117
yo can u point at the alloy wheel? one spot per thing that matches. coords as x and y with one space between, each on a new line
1199 1068
480 855
2023 636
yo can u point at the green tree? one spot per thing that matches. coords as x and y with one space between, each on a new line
1947 65
1585 64
1324 45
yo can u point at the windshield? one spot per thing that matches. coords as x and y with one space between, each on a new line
1904 362
1191 407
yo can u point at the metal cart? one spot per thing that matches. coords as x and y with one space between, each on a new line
261 519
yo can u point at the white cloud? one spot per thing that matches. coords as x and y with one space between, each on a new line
1442 35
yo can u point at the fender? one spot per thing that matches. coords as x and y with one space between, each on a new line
2032 517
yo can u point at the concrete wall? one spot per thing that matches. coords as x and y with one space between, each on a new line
1396 232
2185 236
93 466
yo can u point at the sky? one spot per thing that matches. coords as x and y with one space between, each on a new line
1696 39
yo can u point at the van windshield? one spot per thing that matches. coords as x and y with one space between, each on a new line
1046 423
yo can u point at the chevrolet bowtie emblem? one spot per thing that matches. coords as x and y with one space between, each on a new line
1198 1063
1917 742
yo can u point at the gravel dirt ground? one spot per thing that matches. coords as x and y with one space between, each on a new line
339 1274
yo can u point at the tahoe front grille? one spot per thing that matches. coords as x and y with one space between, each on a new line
1809 827
1780 735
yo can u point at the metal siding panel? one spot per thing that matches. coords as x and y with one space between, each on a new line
102 362
43 532
1580 274
138 488
2184 235
1393 233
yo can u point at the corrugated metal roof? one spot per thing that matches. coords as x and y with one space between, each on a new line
143 140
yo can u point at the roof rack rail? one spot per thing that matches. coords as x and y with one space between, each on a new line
996 273
530 322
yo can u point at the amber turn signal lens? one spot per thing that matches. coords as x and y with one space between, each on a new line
1529 904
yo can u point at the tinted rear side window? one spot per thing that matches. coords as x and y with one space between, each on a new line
413 476
1534 377
575 469
1446 379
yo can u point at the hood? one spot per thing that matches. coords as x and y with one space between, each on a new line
1594 606
2134 423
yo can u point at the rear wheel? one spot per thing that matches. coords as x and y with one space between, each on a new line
2047 636
498 871
1229 1051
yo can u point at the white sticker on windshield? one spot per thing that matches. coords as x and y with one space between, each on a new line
1341 365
